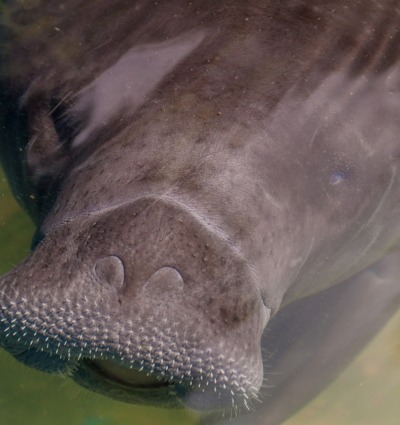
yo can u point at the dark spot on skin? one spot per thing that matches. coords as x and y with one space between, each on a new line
237 314
225 314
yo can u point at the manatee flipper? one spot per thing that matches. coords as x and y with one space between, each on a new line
39 153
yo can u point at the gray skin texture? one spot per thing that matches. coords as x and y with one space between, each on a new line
196 169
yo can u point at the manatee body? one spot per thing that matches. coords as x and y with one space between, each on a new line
199 172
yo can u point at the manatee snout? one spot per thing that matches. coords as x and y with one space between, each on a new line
145 303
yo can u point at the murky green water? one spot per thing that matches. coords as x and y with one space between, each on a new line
366 394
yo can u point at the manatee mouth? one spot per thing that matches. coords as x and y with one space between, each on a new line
130 385
126 377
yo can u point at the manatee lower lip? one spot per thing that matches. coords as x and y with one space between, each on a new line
127 377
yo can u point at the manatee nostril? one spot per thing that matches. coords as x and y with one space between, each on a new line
111 271
165 279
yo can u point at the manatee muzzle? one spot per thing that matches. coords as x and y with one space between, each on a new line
144 302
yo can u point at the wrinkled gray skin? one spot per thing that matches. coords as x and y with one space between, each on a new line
199 171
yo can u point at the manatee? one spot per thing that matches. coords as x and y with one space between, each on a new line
211 182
